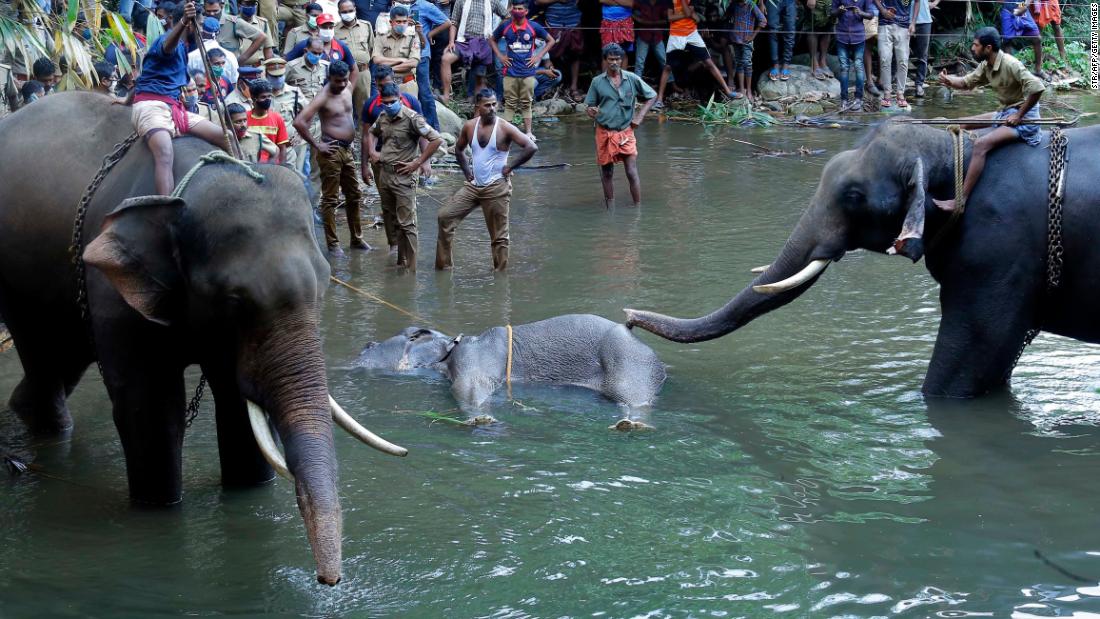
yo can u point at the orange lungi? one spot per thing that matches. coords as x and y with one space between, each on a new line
1049 12
614 146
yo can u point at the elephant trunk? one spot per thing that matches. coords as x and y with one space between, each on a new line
284 372
797 267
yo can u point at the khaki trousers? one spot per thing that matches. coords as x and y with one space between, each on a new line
389 219
338 172
494 199
519 96
360 94
397 193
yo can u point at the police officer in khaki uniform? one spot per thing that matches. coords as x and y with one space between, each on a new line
288 102
358 35
308 73
241 94
248 15
233 30
400 49
306 30
400 130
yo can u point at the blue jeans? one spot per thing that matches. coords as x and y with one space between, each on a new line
781 16
424 93
545 84
642 53
849 55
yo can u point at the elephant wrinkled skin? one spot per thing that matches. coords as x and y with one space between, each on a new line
228 276
991 265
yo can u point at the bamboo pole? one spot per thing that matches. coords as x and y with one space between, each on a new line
219 100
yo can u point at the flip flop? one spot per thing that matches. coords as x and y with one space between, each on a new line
886 102
785 74
819 74
734 95
902 102
773 74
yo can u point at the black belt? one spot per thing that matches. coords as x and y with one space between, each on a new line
336 142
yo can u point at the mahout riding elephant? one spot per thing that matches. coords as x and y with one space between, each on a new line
228 275
582 350
991 263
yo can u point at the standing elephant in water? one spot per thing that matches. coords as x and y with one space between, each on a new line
227 275
990 263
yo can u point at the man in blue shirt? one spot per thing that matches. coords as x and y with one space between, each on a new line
519 36
430 22
158 114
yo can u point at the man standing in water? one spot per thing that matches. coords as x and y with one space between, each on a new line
611 102
487 182
399 130
334 155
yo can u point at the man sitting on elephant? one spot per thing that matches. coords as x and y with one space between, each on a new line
158 116
1017 89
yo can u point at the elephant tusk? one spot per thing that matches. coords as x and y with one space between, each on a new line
266 442
759 270
811 271
352 427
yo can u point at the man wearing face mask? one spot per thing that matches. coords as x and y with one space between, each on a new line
248 15
210 28
399 131
332 48
242 93
262 120
358 36
106 78
334 155
521 62
308 73
288 102
430 22
399 49
233 31
303 32
255 147
221 86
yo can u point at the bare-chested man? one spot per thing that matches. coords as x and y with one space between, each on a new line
334 155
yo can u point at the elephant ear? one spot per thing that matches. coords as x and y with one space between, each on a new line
910 241
135 250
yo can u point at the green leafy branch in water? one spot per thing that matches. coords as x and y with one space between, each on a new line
737 113
480 420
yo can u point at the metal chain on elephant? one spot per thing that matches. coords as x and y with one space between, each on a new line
1055 250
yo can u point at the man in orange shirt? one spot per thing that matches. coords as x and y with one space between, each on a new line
685 46
262 121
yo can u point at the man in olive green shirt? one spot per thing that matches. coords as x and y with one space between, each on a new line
611 100
1017 90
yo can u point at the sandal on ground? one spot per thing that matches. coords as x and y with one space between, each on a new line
818 74
902 102
785 74
885 101
660 105
827 72
734 95
773 74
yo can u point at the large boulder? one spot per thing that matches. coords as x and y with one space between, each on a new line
553 107
801 83
449 122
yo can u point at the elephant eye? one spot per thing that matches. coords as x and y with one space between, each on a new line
853 196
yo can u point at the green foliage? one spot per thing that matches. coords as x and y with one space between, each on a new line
738 113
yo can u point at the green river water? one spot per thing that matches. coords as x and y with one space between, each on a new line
794 470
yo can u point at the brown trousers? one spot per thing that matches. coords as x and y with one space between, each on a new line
338 172
397 193
494 200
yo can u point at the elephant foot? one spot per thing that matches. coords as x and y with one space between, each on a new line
480 420
627 425
44 414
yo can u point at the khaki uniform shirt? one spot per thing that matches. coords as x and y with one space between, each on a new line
295 36
401 135
253 143
264 27
394 45
309 81
236 34
209 113
237 97
289 103
1008 77
359 37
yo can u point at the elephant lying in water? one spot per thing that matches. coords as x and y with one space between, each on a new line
990 264
575 349
228 275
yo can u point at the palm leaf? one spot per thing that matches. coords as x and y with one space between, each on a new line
21 41
153 29
70 16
